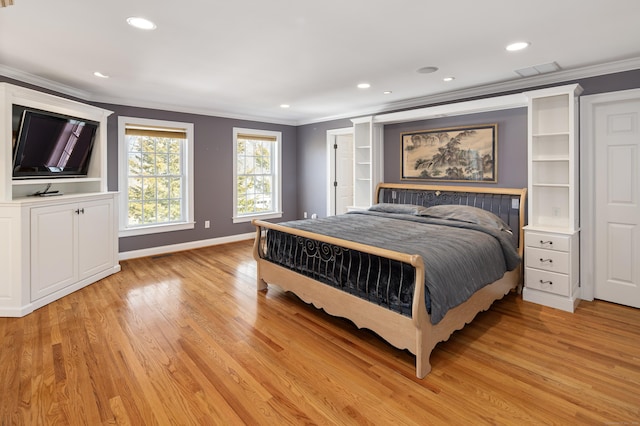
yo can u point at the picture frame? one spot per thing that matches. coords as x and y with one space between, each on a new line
456 154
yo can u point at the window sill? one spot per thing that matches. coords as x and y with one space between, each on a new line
249 218
156 229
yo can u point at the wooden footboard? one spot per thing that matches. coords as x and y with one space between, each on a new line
416 333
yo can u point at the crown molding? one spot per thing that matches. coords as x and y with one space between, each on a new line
517 84
43 83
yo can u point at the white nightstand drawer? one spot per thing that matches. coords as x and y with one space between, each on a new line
549 260
547 281
547 241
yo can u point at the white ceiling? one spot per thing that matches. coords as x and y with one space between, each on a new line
244 58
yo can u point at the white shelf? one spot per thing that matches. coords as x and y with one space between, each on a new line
18 182
96 179
553 198
368 169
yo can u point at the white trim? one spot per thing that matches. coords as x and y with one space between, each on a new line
277 173
187 191
496 103
517 84
154 251
588 104
156 229
261 216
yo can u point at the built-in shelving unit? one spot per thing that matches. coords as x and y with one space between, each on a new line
368 164
52 246
552 234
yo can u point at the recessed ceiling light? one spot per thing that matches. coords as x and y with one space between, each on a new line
517 46
364 86
387 92
99 74
285 105
448 79
141 23
427 70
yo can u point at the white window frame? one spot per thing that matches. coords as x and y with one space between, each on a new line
187 188
276 173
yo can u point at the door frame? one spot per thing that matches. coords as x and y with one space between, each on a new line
588 105
332 134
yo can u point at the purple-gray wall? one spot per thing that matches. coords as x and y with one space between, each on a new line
312 166
304 158
512 144
213 174
512 141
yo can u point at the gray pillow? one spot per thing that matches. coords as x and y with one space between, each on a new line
398 208
468 214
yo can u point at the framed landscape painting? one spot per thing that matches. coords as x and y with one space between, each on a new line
457 154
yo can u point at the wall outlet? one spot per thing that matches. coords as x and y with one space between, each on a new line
207 224
304 215
555 211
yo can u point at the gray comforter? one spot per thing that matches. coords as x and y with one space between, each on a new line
461 254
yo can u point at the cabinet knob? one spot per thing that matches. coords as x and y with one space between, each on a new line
546 260
78 211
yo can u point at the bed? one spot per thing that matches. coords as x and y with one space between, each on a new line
418 265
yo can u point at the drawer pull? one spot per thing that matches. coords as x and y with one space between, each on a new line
546 242
546 260
546 282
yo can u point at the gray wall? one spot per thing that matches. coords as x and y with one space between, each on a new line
312 166
512 141
512 144
213 178
304 158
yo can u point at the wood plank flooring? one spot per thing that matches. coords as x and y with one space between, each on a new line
186 339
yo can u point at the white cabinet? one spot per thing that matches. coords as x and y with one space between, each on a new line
552 234
69 242
54 247
368 164
551 268
47 250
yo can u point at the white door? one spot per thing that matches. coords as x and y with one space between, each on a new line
340 162
344 173
617 201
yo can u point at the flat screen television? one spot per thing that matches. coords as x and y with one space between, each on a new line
52 145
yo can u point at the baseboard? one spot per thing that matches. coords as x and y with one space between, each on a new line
568 304
154 251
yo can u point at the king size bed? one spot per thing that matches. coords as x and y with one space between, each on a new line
414 267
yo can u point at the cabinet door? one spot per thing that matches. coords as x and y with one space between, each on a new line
53 249
95 237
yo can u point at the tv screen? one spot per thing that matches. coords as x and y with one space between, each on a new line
52 145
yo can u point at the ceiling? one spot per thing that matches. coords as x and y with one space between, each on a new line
245 58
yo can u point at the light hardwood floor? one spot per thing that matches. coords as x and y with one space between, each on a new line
186 339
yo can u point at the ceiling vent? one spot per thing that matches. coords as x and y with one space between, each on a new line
538 69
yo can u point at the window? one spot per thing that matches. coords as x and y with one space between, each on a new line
256 175
156 176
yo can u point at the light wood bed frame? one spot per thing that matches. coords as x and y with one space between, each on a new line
416 334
